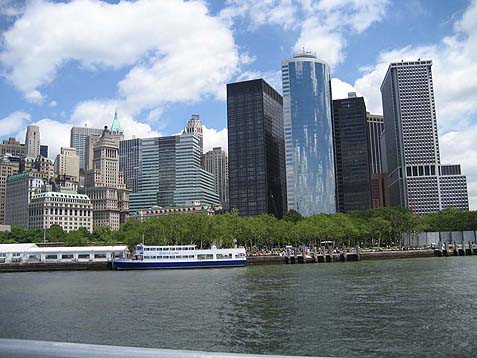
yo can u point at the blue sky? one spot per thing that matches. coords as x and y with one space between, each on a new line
65 63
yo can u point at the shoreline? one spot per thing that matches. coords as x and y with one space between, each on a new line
251 261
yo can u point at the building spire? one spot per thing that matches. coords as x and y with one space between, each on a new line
116 127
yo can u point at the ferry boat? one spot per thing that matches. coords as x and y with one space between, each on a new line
180 256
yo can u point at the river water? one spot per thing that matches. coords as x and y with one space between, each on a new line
418 307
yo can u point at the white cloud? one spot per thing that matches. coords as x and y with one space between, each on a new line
215 138
317 38
52 104
340 89
13 122
178 52
273 78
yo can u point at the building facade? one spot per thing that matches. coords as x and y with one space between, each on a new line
130 152
171 174
69 210
352 154
13 148
257 176
20 189
44 151
7 169
215 161
105 186
308 135
192 182
194 126
38 167
416 178
67 164
375 130
78 141
32 141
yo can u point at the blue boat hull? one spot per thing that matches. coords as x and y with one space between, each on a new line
146 265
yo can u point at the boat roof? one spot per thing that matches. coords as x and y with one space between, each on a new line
31 247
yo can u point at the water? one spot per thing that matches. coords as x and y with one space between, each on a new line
418 307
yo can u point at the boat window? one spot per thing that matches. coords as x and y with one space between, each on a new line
165 257
220 256
3 254
51 257
83 256
205 256
99 256
67 256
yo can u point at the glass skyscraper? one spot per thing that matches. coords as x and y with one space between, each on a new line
352 154
256 149
308 135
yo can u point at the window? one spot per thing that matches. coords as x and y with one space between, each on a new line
99 256
67 256
83 256
51 257
205 256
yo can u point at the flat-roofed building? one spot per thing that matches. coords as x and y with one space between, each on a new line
7 169
69 210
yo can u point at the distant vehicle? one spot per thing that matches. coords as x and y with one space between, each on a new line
180 256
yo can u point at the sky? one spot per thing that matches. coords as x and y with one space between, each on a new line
157 62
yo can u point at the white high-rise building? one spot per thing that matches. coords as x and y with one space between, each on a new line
67 164
32 141
215 161
417 180
105 184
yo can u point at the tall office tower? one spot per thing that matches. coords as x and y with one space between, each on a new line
67 164
352 154
257 176
216 162
44 151
130 162
379 175
32 141
171 174
375 130
20 189
192 182
12 147
194 126
105 184
417 180
78 141
308 135
7 169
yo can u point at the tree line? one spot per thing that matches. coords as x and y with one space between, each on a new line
377 227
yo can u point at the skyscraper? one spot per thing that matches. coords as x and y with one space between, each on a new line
78 141
352 154
308 135
171 174
417 180
375 129
379 175
194 126
7 169
32 141
215 161
13 148
130 162
67 164
105 184
257 178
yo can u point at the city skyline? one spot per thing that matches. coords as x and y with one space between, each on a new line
360 49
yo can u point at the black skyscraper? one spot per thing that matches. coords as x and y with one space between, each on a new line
352 155
257 178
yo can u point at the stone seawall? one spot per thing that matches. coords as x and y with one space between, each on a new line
61 266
